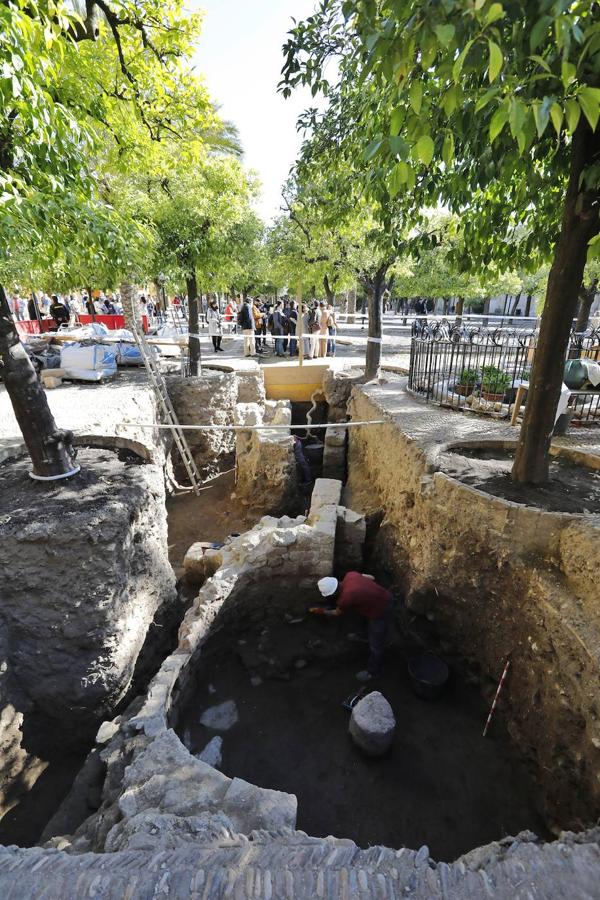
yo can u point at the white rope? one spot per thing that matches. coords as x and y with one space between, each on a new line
258 335
55 477
252 427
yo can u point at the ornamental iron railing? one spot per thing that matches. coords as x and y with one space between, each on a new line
470 367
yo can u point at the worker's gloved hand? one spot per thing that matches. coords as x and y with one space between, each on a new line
325 611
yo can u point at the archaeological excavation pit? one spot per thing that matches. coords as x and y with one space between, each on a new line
239 731
270 690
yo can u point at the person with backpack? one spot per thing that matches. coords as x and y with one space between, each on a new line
246 323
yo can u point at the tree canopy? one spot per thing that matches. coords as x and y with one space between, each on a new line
489 108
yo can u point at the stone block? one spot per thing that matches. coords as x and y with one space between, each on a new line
372 724
326 492
251 386
251 808
201 562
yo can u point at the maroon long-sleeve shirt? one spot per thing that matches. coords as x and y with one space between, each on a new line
363 595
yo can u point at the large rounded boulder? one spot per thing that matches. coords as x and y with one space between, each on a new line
372 724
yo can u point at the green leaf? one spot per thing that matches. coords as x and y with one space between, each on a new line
427 56
556 114
448 148
415 96
450 100
458 65
397 179
498 121
483 101
396 120
573 111
541 62
516 116
398 146
424 149
445 33
372 149
567 72
594 248
541 114
496 60
588 99
494 13
538 32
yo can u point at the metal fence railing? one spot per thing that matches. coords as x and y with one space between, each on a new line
470 367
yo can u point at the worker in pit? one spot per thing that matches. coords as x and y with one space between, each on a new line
370 600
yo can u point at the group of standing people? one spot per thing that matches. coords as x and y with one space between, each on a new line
319 329
312 323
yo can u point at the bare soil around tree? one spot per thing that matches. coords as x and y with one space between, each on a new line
572 487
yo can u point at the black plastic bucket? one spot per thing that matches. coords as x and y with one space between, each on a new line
428 675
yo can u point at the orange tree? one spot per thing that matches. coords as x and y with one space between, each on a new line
70 86
491 109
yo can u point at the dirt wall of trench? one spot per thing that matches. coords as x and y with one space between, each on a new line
494 578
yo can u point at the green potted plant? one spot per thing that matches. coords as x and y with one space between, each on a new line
494 384
467 382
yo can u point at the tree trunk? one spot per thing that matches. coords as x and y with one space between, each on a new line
579 225
586 298
193 325
528 306
328 292
374 288
131 308
515 305
351 306
50 449
460 305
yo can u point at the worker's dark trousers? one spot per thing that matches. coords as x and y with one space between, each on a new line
378 632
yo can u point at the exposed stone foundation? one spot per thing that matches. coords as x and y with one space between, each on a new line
266 468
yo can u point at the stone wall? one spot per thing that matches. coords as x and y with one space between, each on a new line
494 578
209 399
148 770
83 570
266 467
293 551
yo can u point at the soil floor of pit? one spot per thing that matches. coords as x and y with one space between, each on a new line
572 488
209 516
441 784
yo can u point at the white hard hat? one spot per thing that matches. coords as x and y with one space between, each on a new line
328 586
